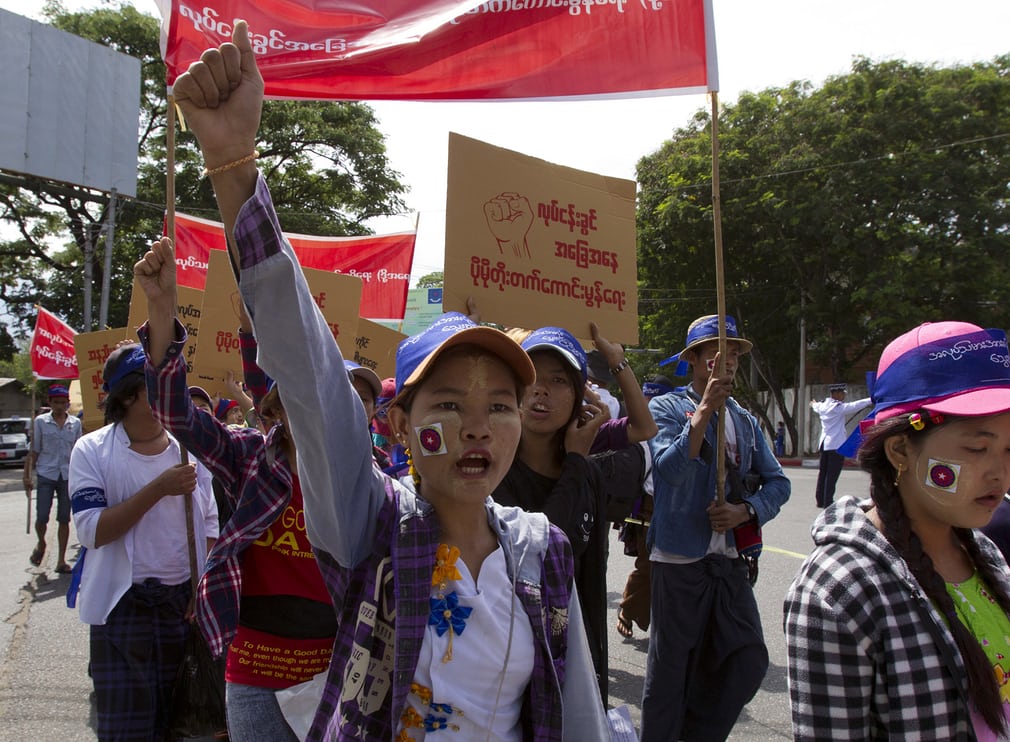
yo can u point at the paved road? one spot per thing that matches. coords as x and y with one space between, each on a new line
43 647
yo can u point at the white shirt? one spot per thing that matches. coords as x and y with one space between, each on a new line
833 414
483 656
105 471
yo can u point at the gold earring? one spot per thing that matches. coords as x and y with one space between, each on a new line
413 472
897 476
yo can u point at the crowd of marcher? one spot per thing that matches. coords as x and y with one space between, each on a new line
424 556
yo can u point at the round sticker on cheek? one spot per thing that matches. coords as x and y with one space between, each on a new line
942 475
431 439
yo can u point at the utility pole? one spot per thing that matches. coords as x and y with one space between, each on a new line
103 312
89 271
801 390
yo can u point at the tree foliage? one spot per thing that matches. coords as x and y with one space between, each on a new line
430 280
864 207
326 163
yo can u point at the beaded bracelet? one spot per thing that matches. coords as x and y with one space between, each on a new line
229 165
619 367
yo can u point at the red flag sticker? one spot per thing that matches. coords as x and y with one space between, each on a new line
942 475
430 437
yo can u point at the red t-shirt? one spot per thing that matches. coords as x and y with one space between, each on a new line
280 562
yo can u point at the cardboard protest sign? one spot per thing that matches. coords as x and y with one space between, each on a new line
539 244
337 296
92 350
375 348
188 309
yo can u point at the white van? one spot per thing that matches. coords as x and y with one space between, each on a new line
14 439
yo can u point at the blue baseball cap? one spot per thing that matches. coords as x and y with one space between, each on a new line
365 374
58 390
701 331
416 354
560 341
123 361
656 386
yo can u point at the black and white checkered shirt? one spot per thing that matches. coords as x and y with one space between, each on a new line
863 660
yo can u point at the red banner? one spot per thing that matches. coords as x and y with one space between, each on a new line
383 262
429 49
52 348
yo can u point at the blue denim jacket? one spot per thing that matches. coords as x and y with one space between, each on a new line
684 486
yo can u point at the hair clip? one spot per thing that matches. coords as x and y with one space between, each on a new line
916 421
936 417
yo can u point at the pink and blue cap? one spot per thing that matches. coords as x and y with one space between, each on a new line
948 368
952 368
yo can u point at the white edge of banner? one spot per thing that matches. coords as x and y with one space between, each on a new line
711 58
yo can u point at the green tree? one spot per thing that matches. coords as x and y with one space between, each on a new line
326 163
430 280
863 207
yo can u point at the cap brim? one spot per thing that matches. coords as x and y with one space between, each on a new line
572 360
745 345
369 377
993 400
494 341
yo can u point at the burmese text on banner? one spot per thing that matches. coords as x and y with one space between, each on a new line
52 348
382 262
431 50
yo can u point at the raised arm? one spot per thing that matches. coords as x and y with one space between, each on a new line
221 96
641 426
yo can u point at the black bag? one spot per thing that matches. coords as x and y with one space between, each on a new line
198 693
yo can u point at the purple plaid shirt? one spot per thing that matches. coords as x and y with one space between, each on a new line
244 462
386 535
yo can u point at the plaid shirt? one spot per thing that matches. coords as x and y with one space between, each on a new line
244 462
374 539
870 658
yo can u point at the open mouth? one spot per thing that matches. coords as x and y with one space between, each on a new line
471 466
991 501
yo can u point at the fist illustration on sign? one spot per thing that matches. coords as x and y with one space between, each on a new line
509 217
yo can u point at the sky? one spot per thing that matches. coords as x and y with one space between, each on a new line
759 45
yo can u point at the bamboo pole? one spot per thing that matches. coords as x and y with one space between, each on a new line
170 171
720 283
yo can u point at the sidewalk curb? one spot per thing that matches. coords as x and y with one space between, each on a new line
809 463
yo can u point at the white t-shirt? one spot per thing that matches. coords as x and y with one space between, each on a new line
482 658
